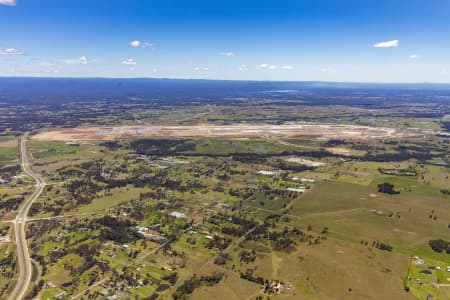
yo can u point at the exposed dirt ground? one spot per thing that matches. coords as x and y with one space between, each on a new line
234 130
10 143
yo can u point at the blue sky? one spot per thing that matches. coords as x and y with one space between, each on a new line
332 40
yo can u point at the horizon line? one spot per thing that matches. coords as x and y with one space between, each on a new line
231 80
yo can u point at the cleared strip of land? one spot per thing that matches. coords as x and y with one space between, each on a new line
233 130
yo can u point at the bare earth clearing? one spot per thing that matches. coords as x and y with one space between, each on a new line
10 143
234 130
306 162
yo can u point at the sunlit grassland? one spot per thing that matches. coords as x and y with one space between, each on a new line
8 155
116 197
355 213
217 146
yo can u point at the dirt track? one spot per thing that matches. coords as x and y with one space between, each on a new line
234 130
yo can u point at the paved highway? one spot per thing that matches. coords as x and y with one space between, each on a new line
23 255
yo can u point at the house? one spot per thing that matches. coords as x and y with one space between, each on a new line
178 215
297 190
266 173
418 261
307 180
150 234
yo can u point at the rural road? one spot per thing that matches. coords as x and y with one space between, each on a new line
23 256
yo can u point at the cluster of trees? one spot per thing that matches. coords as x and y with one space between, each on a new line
83 190
398 172
218 242
244 226
334 143
398 156
10 171
111 145
247 256
382 246
445 191
7 265
283 240
116 229
248 275
188 287
162 147
11 203
222 259
440 246
387 188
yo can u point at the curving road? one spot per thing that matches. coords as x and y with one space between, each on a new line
23 256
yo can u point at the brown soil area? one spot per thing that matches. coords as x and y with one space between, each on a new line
234 130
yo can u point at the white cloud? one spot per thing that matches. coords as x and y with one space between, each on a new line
287 67
129 62
83 60
414 56
387 44
46 64
135 44
76 61
227 54
12 51
267 66
444 72
8 2
328 70
201 69
140 44
243 67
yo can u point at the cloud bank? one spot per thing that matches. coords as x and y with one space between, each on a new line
8 2
227 54
11 51
387 44
129 62
140 44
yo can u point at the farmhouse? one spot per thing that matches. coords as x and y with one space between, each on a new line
297 190
418 261
178 215
150 234
305 180
268 173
